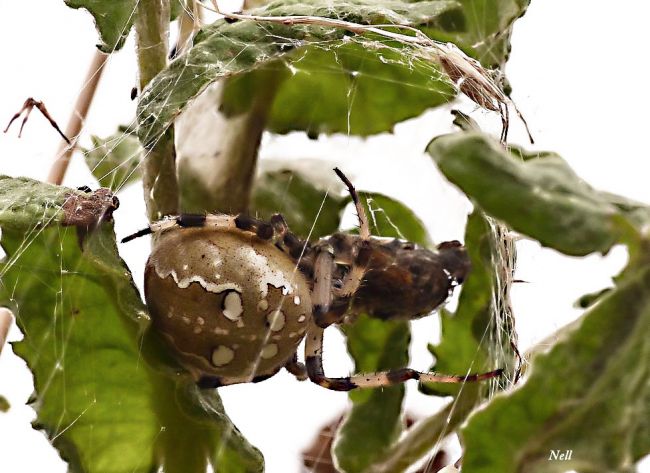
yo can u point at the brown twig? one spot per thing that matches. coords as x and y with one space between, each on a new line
77 118
6 318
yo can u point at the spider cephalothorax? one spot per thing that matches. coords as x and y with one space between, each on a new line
234 296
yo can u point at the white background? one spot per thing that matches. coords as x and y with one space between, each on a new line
580 75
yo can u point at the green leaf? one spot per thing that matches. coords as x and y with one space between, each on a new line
353 84
377 345
105 395
308 210
484 26
113 19
115 160
540 197
588 394
25 203
354 87
389 218
325 72
375 416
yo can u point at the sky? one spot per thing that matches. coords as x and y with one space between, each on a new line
578 75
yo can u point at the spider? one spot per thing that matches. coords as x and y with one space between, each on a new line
234 296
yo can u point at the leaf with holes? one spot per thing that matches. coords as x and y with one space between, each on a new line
540 197
588 394
377 345
338 72
115 160
105 394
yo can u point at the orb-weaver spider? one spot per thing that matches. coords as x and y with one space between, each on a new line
234 296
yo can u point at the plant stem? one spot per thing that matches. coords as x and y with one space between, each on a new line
77 117
218 154
159 166
427 434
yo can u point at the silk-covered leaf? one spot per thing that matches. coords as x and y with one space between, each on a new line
25 203
115 160
104 394
540 197
309 210
465 334
377 345
588 394
352 85
113 19
484 26
337 62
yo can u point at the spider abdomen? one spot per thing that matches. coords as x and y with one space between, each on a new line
232 306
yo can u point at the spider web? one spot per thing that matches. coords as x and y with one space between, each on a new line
293 148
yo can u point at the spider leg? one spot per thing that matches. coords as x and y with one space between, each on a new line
354 277
27 107
276 230
504 111
296 368
314 363
322 292
364 227
184 221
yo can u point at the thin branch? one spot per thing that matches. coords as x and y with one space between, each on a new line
77 118
159 167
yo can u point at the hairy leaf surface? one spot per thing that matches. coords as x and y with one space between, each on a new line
587 394
540 197
106 394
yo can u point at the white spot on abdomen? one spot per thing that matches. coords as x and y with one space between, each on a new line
269 351
276 320
296 300
232 306
222 355
263 304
